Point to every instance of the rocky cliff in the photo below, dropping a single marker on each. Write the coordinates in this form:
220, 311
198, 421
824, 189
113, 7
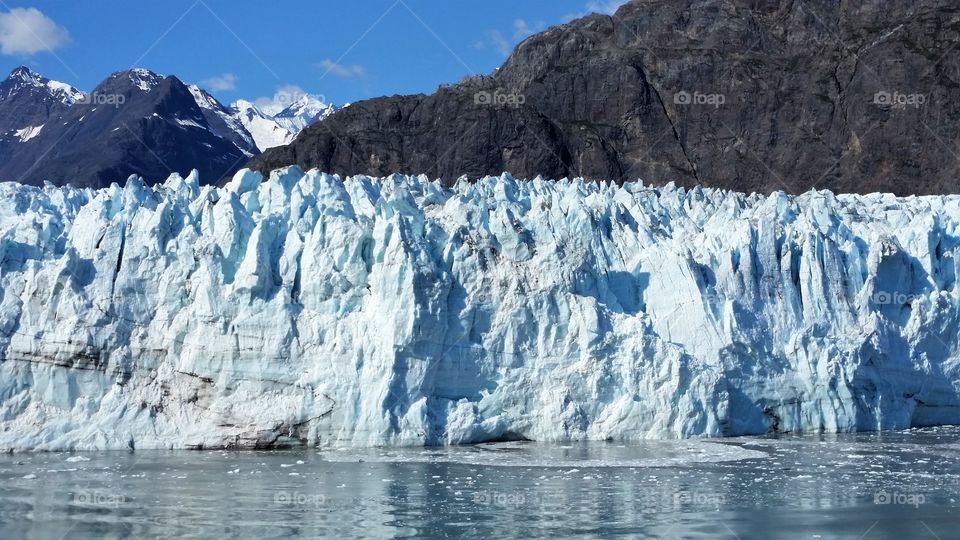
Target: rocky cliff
853, 96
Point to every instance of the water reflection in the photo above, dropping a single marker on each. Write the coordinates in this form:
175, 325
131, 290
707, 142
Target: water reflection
892, 485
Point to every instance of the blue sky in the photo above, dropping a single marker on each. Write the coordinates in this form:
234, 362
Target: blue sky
342, 50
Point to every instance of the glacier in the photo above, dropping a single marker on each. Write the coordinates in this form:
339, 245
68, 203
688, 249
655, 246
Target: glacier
307, 309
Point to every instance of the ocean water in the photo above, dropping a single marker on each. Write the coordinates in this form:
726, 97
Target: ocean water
878, 485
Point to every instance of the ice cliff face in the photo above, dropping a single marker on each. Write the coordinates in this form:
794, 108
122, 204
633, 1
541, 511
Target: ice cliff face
394, 311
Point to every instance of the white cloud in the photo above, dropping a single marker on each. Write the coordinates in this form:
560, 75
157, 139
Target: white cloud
340, 70
221, 83
28, 31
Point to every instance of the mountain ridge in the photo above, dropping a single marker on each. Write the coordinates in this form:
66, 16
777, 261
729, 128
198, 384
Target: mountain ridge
135, 121
852, 97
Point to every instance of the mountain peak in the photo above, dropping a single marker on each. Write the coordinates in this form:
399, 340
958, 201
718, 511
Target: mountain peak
141, 78
242, 105
275, 124
24, 77
307, 107
24, 73
267, 130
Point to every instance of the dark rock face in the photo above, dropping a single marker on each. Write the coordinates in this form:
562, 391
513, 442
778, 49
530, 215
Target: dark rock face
134, 122
221, 121
27, 101
753, 95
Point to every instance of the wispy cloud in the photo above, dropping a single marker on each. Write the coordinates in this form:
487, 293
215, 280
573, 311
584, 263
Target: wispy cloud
499, 41
221, 83
26, 31
605, 7
341, 70
522, 29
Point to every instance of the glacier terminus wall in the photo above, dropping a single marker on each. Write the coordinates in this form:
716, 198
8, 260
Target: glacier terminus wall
306, 309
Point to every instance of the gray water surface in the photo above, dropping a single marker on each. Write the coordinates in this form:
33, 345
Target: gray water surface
879, 485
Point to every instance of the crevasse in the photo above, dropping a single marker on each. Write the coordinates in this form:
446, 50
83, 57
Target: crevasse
394, 311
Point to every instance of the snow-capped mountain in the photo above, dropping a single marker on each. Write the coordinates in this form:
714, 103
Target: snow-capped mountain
396, 311
143, 79
270, 130
24, 77
134, 122
303, 112
265, 130
28, 100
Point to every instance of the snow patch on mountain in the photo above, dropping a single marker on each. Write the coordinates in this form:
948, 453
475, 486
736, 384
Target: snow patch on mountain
144, 79
204, 100
396, 311
65, 92
28, 133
